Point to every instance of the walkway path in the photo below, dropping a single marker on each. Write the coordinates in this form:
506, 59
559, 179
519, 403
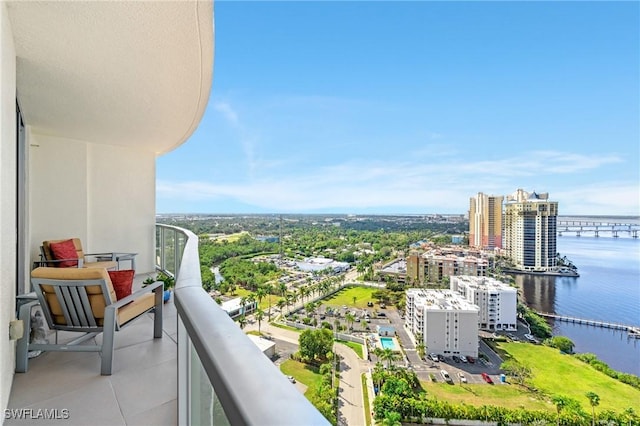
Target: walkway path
351, 398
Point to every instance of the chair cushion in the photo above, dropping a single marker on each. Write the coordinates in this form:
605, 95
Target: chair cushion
97, 299
122, 282
65, 250
136, 308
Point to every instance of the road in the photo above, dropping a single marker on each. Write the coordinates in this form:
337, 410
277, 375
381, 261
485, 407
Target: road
351, 397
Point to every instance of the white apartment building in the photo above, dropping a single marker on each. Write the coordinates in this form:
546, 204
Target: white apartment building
497, 301
447, 322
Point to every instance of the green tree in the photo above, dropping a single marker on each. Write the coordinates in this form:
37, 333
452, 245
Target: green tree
315, 344
594, 400
518, 371
560, 342
392, 418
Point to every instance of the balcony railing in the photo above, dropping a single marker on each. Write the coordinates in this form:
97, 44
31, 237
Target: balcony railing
223, 378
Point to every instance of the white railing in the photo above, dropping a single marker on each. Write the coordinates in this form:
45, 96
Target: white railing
223, 378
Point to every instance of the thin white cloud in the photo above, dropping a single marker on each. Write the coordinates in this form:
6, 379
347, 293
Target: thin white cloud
227, 111
359, 185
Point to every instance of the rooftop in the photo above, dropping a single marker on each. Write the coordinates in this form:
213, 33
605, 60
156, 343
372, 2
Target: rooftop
484, 283
440, 300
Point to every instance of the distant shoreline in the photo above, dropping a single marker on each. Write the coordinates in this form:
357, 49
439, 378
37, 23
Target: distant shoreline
565, 272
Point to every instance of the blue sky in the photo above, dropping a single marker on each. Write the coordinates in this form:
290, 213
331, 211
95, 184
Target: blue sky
413, 107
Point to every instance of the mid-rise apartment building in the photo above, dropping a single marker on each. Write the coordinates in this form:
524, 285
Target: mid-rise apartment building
485, 221
497, 301
530, 230
438, 266
446, 321
415, 269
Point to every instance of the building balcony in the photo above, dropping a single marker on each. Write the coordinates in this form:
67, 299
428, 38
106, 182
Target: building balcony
203, 371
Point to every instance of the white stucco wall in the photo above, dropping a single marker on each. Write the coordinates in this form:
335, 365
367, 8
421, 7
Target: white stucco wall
8, 203
103, 194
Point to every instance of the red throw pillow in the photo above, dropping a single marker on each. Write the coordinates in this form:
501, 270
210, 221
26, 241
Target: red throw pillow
64, 250
122, 282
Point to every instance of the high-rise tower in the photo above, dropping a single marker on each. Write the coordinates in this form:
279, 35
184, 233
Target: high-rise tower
530, 230
485, 221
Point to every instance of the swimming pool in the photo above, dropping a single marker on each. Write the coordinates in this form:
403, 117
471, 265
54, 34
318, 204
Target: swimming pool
388, 343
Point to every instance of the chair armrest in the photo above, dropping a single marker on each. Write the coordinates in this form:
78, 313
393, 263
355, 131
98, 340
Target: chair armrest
155, 287
117, 256
37, 263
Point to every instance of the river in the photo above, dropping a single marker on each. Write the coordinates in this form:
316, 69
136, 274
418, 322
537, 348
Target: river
608, 289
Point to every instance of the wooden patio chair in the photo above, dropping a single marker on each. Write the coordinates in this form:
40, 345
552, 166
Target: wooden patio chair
84, 300
109, 260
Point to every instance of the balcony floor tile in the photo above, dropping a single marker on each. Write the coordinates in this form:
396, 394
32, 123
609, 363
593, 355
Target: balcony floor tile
142, 389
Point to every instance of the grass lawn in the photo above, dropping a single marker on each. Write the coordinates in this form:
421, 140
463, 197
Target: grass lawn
365, 393
264, 303
231, 237
357, 347
510, 396
346, 295
303, 373
557, 374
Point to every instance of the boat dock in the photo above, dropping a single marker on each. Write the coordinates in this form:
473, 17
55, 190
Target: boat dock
632, 330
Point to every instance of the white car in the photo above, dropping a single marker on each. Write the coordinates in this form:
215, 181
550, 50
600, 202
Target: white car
463, 358
433, 357
446, 376
462, 377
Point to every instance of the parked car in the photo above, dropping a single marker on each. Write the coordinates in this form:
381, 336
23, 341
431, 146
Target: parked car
486, 378
462, 377
471, 359
441, 358
370, 304
446, 377
382, 306
434, 357
463, 358
456, 358
291, 379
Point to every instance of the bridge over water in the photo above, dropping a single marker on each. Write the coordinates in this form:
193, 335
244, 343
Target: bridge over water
578, 228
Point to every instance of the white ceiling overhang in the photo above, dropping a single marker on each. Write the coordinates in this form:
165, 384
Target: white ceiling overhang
131, 73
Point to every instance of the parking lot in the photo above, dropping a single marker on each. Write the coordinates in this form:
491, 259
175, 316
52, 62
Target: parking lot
365, 323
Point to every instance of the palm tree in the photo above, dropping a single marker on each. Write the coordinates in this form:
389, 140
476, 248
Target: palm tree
282, 287
350, 319
269, 289
251, 299
560, 402
281, 304
421, 348
260, 294
242, 321
389, 355
259, 317
290, 300
243, 303
594, 400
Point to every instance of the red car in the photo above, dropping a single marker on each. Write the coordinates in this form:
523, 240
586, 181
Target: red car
486, 378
